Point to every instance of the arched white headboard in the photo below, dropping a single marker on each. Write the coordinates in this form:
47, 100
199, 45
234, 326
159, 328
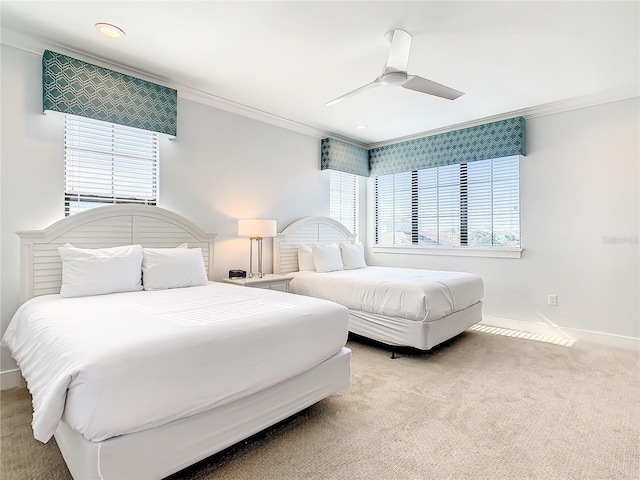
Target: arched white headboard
101, 227
305, 231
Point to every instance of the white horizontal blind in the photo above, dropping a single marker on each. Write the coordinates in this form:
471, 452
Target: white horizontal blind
344, 199
438, 191
474, 204
493, 195
393, 209
107, 163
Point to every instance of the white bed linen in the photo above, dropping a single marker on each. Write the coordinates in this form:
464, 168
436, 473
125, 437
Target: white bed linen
414, 294
115, 364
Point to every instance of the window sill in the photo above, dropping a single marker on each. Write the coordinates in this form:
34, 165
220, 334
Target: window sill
495, 252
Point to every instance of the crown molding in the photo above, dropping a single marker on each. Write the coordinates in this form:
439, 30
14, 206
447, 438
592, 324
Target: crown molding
575, 103
246, 111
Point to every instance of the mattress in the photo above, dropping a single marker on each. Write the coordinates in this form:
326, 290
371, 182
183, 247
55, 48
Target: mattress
407, 293
114, 364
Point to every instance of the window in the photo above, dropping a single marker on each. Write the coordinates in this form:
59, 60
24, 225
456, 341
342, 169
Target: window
107, 163
343, 199
475, 204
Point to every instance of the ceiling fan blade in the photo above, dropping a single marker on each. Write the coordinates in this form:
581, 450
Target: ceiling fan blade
355, 92
419, 84
399, 52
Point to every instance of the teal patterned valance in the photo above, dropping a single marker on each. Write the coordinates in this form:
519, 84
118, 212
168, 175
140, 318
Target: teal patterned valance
342, 156
492, 140
73, 86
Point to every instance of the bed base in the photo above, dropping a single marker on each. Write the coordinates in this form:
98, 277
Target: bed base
399, 332
161, 451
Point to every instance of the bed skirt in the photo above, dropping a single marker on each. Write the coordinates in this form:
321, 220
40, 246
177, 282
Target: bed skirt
400, 332
161, 451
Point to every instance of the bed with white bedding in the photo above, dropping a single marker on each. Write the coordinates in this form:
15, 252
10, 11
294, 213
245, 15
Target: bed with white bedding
143, 383
397, 306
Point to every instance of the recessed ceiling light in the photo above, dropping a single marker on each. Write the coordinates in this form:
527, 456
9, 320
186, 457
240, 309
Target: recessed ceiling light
361, 127
109, 30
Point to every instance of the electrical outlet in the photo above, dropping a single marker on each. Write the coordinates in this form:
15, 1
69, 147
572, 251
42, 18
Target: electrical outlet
553, 300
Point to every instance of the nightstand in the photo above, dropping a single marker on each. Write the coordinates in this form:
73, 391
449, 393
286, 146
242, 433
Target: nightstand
269, 281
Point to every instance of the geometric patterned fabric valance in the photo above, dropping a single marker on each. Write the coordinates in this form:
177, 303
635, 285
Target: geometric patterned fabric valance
492, 140
342, 156
80, 88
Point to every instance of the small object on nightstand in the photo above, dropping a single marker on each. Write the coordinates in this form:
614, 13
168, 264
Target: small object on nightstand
237, 274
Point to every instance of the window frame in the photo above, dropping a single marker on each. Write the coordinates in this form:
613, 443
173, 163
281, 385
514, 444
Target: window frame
456, 250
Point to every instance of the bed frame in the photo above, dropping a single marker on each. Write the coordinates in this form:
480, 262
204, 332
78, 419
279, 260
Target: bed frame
161, 451
393, 331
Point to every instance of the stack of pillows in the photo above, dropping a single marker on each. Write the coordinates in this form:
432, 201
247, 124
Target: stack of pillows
323, 258
128, 269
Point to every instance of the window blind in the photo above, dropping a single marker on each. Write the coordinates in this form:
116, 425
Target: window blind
107, 163
344, 199
493, 196
439, 206
473, 204
393, 209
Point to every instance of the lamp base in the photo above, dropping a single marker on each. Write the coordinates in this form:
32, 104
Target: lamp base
259, 273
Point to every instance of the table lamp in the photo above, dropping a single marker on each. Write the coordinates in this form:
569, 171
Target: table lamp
256, 229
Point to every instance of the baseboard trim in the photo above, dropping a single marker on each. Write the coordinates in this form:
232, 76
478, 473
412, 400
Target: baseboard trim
587, 336
11, 379
606, 339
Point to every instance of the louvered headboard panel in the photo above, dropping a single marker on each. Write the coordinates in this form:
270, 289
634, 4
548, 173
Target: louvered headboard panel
305, 231
111, 226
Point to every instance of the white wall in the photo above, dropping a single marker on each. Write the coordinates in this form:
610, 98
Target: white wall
579, 189
221, 167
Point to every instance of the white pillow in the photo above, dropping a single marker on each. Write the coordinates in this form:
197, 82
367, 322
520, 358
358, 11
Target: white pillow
99, 271
164, 268
326, 258
352, 256
305, 259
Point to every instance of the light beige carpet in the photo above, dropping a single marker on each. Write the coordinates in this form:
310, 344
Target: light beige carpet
480, 407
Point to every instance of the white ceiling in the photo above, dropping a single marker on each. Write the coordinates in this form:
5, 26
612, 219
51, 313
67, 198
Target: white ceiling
282, 61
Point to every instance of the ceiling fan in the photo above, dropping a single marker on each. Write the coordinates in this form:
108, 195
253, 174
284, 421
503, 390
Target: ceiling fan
395, 72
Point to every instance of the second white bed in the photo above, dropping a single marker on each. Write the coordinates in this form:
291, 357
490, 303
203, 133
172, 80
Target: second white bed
401, 307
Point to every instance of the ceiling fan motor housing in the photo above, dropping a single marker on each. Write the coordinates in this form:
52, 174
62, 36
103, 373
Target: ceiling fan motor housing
393, 78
